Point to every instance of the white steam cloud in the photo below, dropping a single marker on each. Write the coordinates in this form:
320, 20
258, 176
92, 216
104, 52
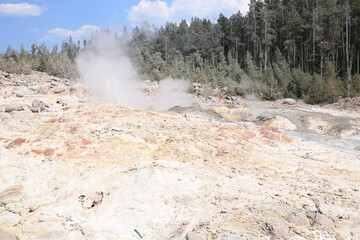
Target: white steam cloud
172, 93
106, 69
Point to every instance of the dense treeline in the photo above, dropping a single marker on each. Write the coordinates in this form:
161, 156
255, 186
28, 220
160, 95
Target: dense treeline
291, 48
306, 49
39, 58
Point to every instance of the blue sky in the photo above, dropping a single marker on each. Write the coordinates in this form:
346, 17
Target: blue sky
51, 21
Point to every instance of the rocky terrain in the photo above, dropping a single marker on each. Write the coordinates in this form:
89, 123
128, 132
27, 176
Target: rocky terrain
75, 167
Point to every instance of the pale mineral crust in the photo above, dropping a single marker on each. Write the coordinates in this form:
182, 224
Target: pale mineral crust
80, 168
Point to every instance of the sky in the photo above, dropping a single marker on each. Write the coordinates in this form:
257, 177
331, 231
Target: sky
52, 21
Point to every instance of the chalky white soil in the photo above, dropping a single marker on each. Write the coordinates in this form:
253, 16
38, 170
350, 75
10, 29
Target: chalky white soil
73, 167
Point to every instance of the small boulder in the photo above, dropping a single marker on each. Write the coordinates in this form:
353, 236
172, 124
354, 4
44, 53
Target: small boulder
289, 101
18, 93
14, 107
90, 202
324, 221
59, 90
39, 105
77, 88
43, 89
277, 228
36, 89
299, 220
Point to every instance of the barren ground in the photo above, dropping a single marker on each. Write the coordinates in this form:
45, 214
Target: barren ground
75, 167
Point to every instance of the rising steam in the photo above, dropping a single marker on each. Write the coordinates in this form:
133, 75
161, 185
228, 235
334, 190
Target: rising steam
106, 69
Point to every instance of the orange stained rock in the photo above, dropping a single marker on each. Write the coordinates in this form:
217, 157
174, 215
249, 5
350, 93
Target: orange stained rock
17, 142
49, 152
86, 142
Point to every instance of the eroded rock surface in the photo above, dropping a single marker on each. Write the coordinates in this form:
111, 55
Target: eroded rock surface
85, 169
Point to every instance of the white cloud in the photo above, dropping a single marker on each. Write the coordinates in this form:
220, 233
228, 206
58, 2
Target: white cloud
20, 9
83, 32
158, 12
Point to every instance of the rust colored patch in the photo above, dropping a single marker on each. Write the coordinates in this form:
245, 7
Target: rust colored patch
49, 152
59, 155
249, 135
149, 140
86, 142
268, 135
286, 138
167, 141
53, 120
16, 143
37, 140
73, 129
37, 151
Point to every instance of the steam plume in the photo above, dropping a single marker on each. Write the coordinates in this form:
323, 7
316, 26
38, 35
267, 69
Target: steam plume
105, 68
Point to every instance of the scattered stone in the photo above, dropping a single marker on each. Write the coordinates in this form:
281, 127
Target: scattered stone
277, 228
44, 89
97, 198
62, 102
39, 105
18, 93
195, 235
59, 90
322, 220
299, 220
89, 202
56, 79
36, 89
4, 235
14, 107
77, 88
289, 101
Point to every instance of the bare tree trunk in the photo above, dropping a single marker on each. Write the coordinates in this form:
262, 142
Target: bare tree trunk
213, 59
237, 51
294, 53
348, 60
260, 65
302, 57
255, 33
321, 62
358, 62
314, 36
266, 44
